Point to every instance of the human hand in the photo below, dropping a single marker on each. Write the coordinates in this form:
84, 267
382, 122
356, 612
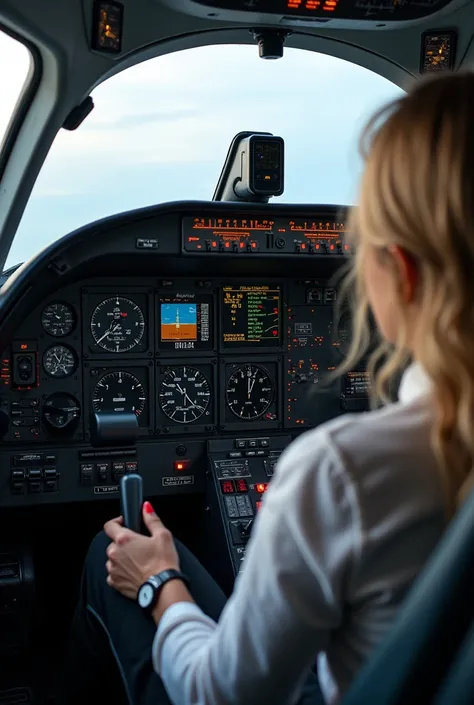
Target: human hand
133, 558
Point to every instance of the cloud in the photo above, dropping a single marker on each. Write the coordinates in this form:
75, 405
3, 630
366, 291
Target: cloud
161, 130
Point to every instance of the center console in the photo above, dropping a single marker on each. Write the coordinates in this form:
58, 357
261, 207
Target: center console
241, 470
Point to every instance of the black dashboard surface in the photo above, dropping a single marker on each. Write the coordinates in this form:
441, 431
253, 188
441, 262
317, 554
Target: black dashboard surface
206, 321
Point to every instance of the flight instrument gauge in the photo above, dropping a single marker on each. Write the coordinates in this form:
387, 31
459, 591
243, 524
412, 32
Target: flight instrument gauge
343, 334
184, 394
117, 325
58, 319
117, 392
61, 412
59, 361
249, 392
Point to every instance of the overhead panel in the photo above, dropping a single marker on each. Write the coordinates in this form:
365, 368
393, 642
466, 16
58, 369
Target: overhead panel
385, 11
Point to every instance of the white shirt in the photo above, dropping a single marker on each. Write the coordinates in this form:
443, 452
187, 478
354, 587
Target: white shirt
354, 510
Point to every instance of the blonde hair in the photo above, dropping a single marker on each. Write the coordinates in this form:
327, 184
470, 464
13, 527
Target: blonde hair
418, 193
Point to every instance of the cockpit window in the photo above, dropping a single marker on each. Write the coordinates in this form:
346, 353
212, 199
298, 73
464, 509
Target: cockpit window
161, 130
17, 58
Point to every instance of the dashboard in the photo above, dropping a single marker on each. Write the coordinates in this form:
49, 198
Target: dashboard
216, 331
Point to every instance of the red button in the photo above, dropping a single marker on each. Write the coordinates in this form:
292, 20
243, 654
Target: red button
180, 465
241, 486
261, 487
258, 505
227, 486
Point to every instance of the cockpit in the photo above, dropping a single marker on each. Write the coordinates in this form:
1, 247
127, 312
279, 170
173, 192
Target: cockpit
188, 340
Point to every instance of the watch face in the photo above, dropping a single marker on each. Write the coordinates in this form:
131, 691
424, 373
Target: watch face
145, 595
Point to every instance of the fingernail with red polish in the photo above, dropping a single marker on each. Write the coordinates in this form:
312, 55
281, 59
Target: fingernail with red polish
148, 508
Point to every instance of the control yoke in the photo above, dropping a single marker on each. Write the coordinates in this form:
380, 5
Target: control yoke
131, 502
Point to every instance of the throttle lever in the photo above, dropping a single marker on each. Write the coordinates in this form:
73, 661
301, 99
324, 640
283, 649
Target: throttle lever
131, 502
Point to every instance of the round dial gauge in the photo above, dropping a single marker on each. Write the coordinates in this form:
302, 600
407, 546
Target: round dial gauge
58, 319
119, 392
61, 412
184, 394
343, 334
117, 325
59, 361
249, 392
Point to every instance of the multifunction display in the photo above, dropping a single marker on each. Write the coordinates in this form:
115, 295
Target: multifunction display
185, 321
251, 316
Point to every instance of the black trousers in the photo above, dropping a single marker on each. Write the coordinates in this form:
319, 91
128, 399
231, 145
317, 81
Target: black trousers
108, 659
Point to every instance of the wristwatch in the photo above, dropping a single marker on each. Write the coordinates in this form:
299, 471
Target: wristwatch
148, 593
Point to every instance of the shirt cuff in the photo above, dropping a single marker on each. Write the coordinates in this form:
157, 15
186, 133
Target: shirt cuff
178, 614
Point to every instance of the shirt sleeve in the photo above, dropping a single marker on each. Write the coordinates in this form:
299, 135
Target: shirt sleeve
285, 602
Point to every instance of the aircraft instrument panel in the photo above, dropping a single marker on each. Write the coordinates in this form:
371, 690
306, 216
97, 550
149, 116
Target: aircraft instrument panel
234, 354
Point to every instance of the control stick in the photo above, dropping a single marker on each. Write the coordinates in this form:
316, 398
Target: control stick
131, 502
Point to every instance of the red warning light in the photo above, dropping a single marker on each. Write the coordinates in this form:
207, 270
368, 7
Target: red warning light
227, 487
180, 465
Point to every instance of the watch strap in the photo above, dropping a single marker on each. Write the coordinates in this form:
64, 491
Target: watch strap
165, 576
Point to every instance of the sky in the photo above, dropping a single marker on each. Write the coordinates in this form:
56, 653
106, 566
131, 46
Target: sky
160, 131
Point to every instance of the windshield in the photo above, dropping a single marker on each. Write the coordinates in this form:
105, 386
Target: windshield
17, 58
160, 131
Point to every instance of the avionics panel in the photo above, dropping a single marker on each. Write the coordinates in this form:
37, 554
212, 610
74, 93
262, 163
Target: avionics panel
251, 317
375, 10
248, 235
185, 321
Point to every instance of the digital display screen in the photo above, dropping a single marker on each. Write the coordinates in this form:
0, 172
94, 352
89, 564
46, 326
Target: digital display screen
185, 322
251, 314
356, 385
178, 321
267, 155
438, 52
107, 32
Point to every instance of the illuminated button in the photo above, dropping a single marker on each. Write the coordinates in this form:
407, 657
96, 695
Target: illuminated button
227, 486
261, 487
258, 505
241, 486
180, 465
